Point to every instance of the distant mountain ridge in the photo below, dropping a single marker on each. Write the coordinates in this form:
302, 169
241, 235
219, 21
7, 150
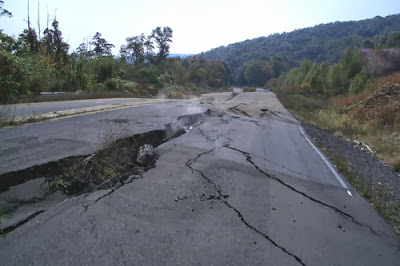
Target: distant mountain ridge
321, 43
180, 55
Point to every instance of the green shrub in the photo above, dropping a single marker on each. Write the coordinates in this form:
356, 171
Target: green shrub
11, 76
249, 89
98, 87
150, 75
358, 83
128, 86
113, 84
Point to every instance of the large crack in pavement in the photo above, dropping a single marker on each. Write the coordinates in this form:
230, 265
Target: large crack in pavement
139, 149
280, 181
266, 111
20, 223
127, 181
232, 96
202, 133
223, 199
236, 110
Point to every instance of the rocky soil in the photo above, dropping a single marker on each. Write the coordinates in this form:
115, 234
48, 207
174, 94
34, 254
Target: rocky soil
383, 105
377, 182
360, 164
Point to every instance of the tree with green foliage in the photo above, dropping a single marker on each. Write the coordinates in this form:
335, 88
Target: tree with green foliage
54, 45
347, 76
255, 73
32, 64
322, 43
390, 41
47, 42
149, 49
11, 76
101, 46
312, 78
59, 46
27, 42
323, 75
135, 48
3, 11
7, 43
352, 63
139, 49
83, 52
11, 66
368, 45
102, 68
162, 38
359, 82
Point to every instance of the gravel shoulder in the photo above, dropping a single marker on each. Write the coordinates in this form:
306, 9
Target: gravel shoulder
377, 182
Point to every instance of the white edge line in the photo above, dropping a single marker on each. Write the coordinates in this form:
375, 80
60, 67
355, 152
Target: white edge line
333, 170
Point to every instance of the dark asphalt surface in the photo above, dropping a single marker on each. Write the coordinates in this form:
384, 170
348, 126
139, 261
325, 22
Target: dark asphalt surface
233, 191
46, 107
28, 145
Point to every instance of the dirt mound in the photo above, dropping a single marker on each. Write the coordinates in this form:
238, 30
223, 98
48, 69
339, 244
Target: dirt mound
388, 94
383, 106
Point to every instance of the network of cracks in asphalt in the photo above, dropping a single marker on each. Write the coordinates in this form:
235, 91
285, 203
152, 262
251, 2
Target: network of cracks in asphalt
135, 155
116, 164
223, 197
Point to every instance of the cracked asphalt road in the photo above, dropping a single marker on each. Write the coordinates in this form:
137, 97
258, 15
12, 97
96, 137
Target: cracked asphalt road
32, 144
235, 190
26, 109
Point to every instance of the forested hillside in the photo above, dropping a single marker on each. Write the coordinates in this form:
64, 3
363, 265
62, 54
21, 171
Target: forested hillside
253, 62
349, 88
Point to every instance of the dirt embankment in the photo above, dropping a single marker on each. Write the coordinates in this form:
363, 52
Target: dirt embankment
384, 105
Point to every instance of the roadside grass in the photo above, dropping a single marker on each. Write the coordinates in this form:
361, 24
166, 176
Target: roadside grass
171, 92
378, 194
384, 141
80, 96
113, 162
111, 159
300, 105
186, 92
11, 122
6, 120
381, 132
348, 100
341, 116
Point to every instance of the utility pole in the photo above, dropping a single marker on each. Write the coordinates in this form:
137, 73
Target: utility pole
29, 18
38, 19
47, 25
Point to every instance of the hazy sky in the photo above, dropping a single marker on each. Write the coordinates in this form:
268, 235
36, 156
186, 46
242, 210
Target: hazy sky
198, 25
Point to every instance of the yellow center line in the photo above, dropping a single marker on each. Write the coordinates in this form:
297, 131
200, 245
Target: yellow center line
61, 116
107, 109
